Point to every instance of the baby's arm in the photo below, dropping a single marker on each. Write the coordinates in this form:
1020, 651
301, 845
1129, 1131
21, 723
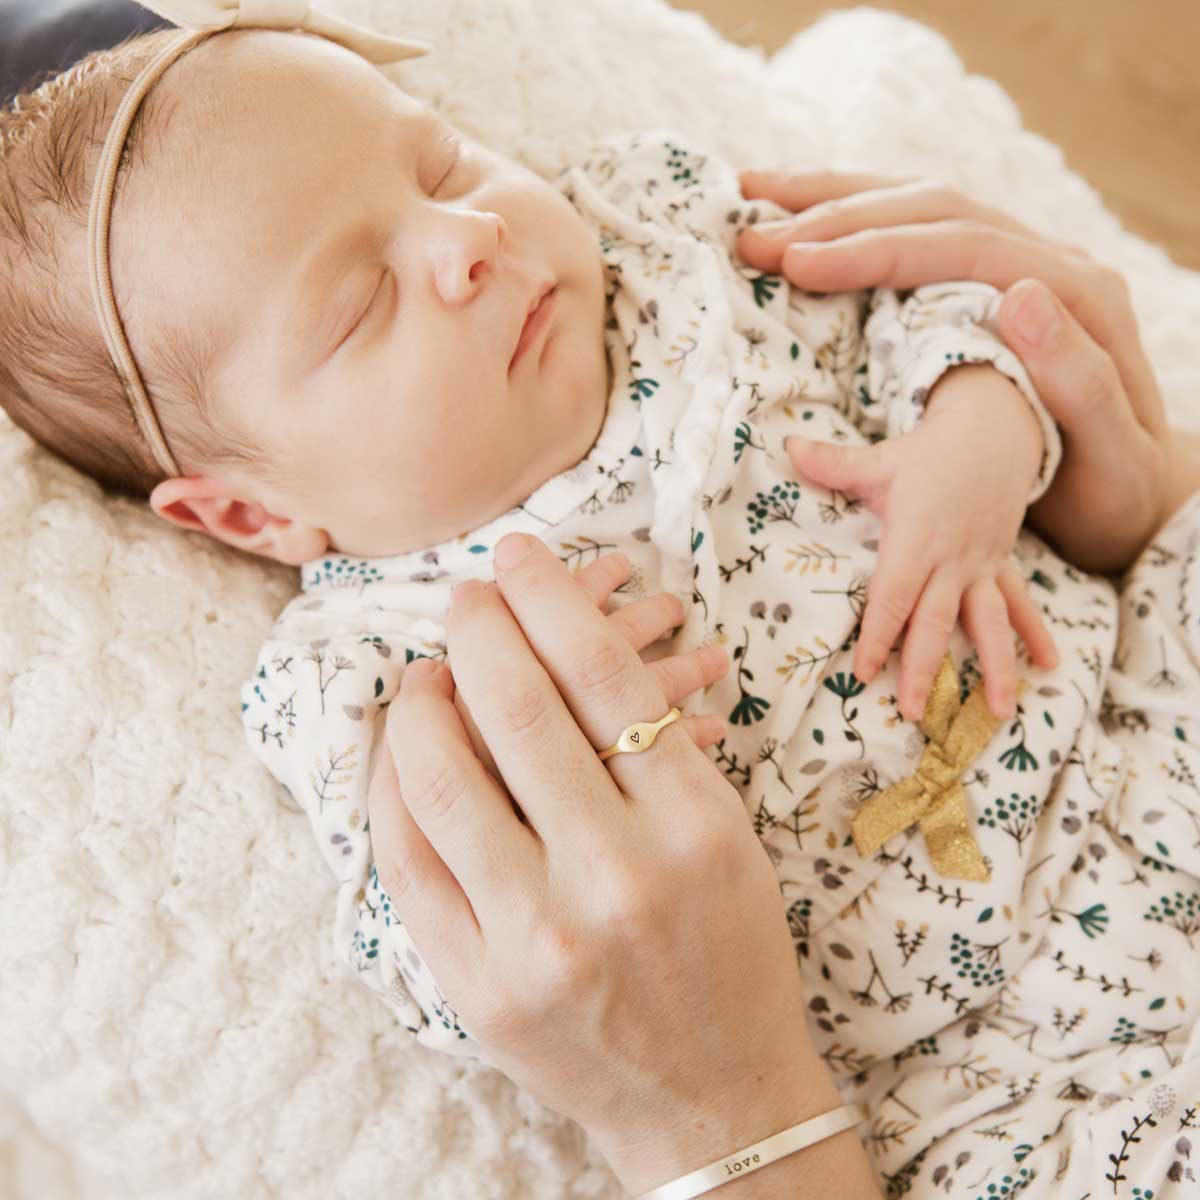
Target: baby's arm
313, 712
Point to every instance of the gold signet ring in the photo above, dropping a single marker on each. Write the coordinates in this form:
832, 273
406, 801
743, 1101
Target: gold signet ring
639, 736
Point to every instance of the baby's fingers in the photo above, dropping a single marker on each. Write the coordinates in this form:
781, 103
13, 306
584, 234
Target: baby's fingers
985, 618
927, 640
648, 619
892, 594
682, 674
1026, 619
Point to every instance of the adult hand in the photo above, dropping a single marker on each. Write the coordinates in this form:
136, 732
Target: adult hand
641, 623
623, 954
1069, 319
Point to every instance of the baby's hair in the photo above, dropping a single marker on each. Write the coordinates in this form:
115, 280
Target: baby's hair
57, 382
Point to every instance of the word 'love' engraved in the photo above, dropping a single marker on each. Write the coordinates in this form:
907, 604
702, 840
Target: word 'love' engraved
734, 1167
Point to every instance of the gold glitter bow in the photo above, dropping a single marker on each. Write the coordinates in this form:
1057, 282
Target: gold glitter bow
934, 794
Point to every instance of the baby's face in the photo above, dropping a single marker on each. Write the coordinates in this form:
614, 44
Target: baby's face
372, 268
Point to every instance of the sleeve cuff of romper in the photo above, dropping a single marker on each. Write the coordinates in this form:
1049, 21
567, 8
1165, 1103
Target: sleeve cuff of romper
938, 349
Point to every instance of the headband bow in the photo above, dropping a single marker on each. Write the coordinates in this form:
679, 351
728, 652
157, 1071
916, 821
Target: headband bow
213, 16
199, 19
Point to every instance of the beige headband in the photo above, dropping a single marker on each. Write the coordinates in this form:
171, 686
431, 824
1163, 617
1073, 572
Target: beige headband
200, 19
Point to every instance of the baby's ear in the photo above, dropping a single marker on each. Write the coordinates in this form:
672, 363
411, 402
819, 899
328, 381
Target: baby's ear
206, 505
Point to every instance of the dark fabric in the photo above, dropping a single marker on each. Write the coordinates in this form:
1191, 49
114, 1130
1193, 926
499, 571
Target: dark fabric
39, 38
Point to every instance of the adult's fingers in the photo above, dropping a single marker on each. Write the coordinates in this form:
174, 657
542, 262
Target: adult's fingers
442, 831
906, 256
911, 202
572, 696
799, 189
678, 676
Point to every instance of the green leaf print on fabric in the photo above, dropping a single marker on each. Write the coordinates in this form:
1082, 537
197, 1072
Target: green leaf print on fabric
765, 287
642, 389
363, 952
681, 163
1179, 911
1009, 1186
742, 437
1092, 920
847, 685
340, 572
1016, 816
778, 505
1019, 757
900, 1184
984, 969
749, 708
385, 899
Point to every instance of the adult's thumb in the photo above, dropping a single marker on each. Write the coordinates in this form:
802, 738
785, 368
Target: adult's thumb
1076, 379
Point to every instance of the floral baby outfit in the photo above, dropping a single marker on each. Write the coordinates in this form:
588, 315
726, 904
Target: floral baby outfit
1035, 1032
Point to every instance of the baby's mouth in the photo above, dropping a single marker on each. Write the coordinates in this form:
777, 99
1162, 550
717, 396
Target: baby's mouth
535, 323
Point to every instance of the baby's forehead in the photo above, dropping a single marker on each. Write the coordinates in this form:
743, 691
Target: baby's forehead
258, 83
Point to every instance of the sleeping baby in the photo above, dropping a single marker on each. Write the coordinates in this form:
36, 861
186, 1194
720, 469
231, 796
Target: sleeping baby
376, 346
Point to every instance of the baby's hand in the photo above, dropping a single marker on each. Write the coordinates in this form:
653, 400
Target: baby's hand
952, 495
642, 623
645, 622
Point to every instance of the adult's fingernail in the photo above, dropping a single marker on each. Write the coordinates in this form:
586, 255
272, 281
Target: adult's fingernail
1037, 318
511, 549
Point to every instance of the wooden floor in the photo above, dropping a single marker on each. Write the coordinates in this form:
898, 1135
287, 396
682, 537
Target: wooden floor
1115, 83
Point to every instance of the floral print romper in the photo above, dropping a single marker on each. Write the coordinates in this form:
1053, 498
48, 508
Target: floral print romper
1035, 1033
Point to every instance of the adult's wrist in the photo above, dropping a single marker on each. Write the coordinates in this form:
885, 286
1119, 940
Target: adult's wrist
694, 1132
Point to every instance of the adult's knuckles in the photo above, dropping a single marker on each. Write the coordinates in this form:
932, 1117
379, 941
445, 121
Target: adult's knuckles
1112, 284
435, 788
603, 674
709, 845
524, 711
565, 959
939, 194
1095, 382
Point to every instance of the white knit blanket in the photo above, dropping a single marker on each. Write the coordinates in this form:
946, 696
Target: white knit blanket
171, 1025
